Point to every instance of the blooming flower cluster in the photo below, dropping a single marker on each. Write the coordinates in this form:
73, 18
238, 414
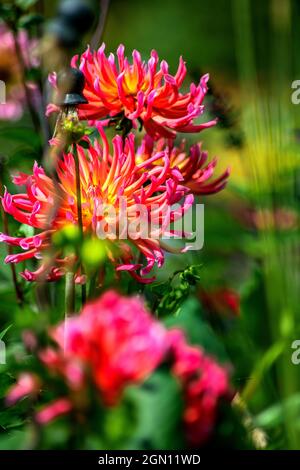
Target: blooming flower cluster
115, 342
106, 180
154, 174
155, 177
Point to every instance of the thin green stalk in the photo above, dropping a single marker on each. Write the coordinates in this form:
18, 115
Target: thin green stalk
93, 285
69, 293
69, 301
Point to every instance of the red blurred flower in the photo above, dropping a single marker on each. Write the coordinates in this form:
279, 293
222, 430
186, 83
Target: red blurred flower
140, 90
204, 384
222, 301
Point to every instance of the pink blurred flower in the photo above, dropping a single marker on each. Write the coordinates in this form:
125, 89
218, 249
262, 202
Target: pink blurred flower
204, 383
115, 343
121, 344
141, 90
57, 408
117, 339
11, 74
27, 384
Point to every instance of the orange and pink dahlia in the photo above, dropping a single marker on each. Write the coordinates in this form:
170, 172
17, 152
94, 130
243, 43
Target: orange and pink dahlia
108, 179
140, 91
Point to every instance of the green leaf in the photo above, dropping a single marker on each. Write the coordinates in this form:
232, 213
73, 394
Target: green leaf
25, 4
277, 413
6, 12
32, 19
33, 75
14, 440
159, 413
3, 332
84, 144
26, 231
197, 329
170, 299
25, 135
192, 274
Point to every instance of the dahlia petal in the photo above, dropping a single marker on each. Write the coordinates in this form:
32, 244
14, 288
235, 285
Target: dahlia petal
19, 257
57, 408
52, 78
27, 384
128, 267
52, 108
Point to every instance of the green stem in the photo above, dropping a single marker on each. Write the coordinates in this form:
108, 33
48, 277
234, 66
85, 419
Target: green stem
69, 293
78, 189
69, 301
79, 213
93, 285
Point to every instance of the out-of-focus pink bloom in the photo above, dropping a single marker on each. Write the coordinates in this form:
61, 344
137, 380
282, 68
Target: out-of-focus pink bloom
27, 384
29, 340
281, 219
107, 180
196, 172
117, 339
204, 384
141, 90
57, 408
115, 343
121, 344
58, 363
10, 72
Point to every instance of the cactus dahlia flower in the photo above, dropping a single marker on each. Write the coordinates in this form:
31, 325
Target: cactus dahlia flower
195, 171
143, 91
107, 181
114, 343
